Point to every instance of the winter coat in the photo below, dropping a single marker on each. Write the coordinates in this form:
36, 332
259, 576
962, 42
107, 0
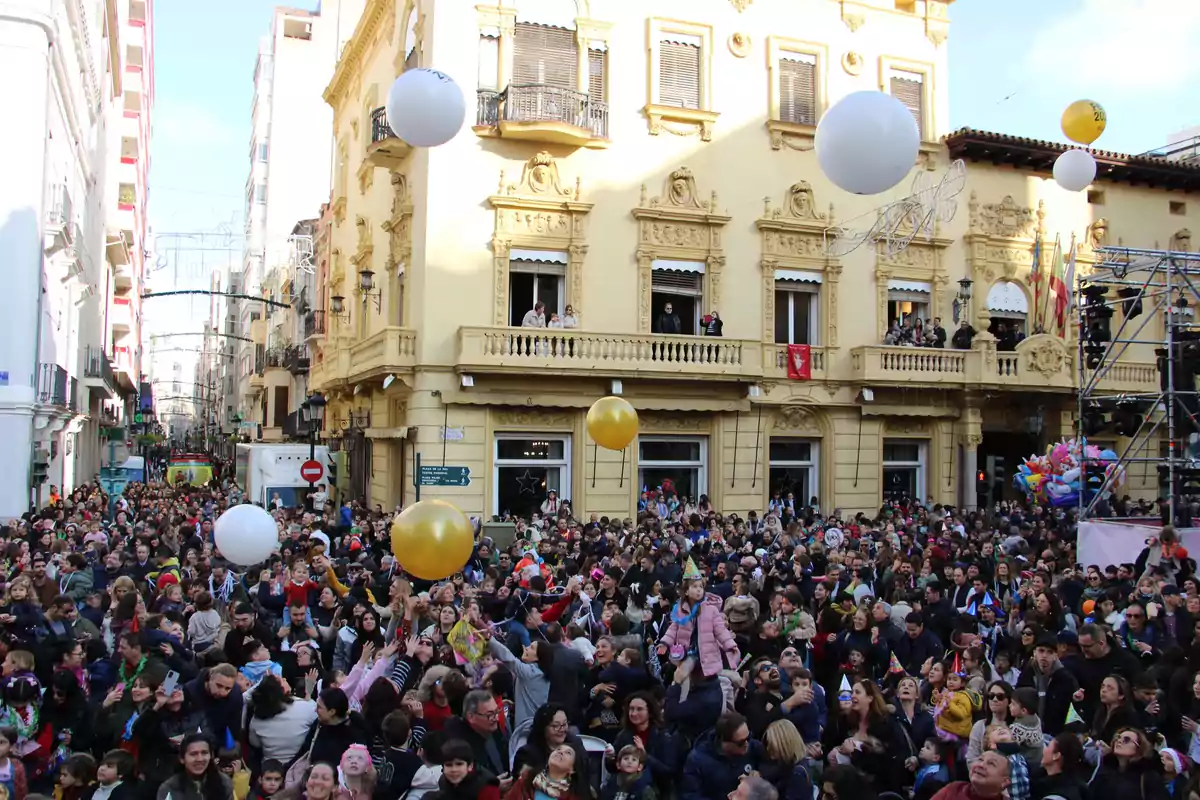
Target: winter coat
793, 781
177, 787
710, 774
1054, 695
478, 785
714, 639
222, 715
1141, 780
661, 758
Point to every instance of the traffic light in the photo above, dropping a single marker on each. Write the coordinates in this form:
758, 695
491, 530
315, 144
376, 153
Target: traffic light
40, 471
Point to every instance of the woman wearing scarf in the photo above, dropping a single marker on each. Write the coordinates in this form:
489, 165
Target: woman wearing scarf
559, 780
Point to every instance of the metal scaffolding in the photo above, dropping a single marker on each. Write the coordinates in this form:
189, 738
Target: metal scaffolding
1150, 285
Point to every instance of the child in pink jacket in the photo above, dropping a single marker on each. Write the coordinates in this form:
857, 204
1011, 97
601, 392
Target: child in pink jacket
698, 633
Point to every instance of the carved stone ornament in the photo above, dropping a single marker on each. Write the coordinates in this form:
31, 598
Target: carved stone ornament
661, 421
798, 203
540, 178
536, 419
908, 426
399, 225
741, 5
796, 418
853, 63
679, 191
365, 246
1005, 219
1181, 242
739, 44
1098, 234
1046, 358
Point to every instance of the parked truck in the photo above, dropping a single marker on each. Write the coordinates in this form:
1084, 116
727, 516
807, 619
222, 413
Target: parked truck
265, 470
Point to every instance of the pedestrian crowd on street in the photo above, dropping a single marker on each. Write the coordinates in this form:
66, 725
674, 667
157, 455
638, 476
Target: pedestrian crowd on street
686, 653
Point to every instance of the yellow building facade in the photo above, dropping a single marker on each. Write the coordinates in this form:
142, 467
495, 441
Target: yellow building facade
626, 156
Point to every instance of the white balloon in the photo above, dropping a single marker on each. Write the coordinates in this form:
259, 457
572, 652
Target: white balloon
425, 107
246, 535
1075, 170
867, 142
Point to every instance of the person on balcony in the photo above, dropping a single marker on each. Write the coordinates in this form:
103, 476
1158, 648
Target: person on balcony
570, 319
535, 317
713, 325
939, 333
963, 336
668, 321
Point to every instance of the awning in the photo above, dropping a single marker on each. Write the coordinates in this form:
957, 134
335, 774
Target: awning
538, 256
895, 285
801, 275
681, 38
1007, 298
672, 265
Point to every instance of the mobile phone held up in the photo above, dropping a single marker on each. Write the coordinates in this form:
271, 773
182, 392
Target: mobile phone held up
171, 683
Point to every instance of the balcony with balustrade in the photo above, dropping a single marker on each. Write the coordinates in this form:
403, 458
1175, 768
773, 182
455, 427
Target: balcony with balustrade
314, 325
125, 369
386, 352
98, 372
385, 149
54, 386
575, 353
541, 113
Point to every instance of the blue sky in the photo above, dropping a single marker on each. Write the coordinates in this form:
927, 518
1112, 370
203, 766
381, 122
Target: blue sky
1014, 64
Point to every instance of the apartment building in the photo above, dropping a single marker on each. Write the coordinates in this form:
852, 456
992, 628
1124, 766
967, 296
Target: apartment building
72, 207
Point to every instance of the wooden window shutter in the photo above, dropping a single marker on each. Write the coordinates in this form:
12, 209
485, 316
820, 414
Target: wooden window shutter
545, 56
797, 92
679, 74
597, 67
909, 92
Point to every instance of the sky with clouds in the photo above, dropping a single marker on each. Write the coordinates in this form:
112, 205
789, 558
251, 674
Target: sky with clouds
1014, 65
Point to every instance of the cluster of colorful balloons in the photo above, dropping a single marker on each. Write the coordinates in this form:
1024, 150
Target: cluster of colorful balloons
1082, 122
1059, 477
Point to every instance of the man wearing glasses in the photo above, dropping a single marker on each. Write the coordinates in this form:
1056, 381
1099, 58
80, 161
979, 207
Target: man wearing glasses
479, 726
721, 759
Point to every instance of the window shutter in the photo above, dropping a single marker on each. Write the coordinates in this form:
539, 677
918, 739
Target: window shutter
687, 282
597, 67
909, 93
679, 74
489, 61
545, 56
797, 92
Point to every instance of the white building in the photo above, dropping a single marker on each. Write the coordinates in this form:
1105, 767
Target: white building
80, 87
291, 158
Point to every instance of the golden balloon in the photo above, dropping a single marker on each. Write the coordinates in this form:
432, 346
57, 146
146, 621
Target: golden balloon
612, 422
432, 539
1084, 121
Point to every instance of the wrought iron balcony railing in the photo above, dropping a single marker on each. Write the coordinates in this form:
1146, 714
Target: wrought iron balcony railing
314, 324
53, 385
542, 103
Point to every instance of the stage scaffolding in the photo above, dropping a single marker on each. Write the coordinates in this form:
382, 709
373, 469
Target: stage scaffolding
1166, 284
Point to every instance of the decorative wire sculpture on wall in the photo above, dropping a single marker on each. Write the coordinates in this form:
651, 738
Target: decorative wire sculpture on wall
898, 223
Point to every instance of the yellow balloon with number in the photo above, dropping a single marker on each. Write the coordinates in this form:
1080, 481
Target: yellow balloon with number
612, 422
432, 539
1084, 121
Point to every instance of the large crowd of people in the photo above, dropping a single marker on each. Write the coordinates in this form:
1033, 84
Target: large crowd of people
685, 653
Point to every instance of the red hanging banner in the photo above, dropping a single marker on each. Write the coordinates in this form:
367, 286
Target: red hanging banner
799, 362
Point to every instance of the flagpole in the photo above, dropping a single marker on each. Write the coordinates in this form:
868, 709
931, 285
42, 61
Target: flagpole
1036, 274
1068, 279
1050, 277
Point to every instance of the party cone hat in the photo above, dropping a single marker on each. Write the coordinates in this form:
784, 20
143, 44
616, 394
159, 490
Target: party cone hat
973, 609
690, 573
844, 689
894, 666
988, 600
1073, 715
957, 667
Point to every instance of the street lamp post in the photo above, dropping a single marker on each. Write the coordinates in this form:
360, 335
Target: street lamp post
312, 414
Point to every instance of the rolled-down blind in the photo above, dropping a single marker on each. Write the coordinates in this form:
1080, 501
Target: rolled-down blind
597, 62
689, 282
797, 91
909, 93
679, 74
545, 56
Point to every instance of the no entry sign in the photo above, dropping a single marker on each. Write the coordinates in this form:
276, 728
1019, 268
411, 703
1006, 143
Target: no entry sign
312, 471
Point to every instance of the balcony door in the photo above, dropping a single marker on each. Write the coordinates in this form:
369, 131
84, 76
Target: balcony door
536, 277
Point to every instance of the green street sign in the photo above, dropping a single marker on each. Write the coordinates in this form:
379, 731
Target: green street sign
137, 418
445, 476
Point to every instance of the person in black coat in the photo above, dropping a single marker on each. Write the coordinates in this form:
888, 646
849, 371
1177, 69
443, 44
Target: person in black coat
1054, 683
918, 644
216, 691
337, 728
479, 727
1102, 657
569, 676
939, 612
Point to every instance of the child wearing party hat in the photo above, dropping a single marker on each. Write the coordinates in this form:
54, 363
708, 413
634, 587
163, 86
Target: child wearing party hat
953, 715
698, 635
